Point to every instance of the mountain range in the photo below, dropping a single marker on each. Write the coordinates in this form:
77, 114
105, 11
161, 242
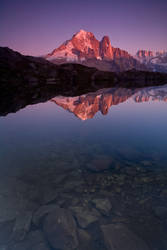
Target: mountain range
85, 49
22, 73
26, 79
155, 61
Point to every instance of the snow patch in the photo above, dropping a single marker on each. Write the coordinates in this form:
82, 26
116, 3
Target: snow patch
64, 54
84, 38
82, 59
82, 34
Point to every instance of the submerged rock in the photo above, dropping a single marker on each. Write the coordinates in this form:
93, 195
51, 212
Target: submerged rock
14, 198
85, 240
35, 240
103, 205
43, 211
22, 226
49, 195
85, 216
60, 229
119, 237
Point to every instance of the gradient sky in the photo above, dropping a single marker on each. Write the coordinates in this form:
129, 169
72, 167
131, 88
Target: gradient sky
36, 27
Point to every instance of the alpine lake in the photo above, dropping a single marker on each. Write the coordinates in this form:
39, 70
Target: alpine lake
85, 172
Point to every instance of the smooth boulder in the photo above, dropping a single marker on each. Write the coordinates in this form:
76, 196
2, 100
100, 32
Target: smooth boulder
60, 229
119, 237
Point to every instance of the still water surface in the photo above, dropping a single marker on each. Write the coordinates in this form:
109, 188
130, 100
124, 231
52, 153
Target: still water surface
69, 151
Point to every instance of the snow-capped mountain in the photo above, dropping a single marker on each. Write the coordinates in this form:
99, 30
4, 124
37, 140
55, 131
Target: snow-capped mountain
156, 61
85, 49
84, 45
144, 55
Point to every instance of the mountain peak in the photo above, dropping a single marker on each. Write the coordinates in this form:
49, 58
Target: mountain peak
81, 31
83, 34
144, 53
106, 48
85, 49
106, 39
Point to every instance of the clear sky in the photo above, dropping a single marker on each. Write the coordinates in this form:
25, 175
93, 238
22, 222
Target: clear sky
36, 27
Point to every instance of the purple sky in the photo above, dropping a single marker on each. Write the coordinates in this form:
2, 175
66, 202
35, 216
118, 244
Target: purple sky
36, 27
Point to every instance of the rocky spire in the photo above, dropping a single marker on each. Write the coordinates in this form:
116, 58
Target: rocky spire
106, 50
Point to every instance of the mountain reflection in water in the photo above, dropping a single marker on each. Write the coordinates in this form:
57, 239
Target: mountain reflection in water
99, 184
86, 106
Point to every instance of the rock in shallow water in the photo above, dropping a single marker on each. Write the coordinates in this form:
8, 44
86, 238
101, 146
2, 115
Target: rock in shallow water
13, 199
42, 212
85, 216
84, 240
33, 241
60, 229
22, 226
119, 237
103, 205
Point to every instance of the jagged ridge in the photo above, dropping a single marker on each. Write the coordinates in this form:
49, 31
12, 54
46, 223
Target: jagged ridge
85, 49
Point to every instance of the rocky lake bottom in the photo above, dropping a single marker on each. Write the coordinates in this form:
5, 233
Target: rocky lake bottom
97, 182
